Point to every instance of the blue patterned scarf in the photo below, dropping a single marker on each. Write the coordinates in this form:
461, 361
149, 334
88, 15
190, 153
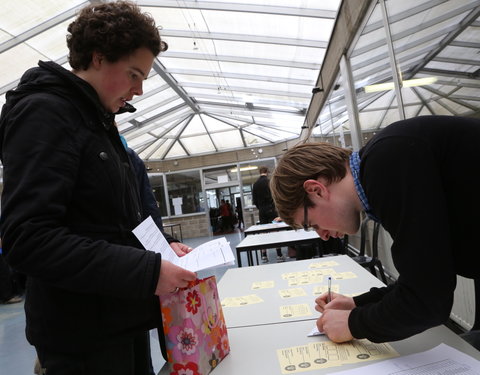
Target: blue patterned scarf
355, 168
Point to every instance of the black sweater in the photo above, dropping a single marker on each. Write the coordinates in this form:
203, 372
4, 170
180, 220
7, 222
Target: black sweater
421, 179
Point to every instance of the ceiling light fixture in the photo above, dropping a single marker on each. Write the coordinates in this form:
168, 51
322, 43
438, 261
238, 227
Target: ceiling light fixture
407, 83
242, 169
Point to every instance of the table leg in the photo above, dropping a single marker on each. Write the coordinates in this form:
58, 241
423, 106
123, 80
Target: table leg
181, 234
250, 258
239, 258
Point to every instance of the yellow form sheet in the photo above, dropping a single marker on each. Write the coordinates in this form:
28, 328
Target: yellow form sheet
344, 275
320, 289
330, 263
295, 311
263, 284
307, 277
292, 292
325, 354
310, 273
241, 301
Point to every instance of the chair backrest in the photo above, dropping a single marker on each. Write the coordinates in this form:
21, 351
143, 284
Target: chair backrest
476, 323
364, 234
376, 232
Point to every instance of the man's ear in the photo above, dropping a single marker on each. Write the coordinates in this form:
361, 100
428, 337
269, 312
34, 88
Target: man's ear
316, 189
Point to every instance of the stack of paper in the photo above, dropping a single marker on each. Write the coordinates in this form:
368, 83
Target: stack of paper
208, 255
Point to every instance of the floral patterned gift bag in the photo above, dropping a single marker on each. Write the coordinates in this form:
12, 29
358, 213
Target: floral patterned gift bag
194, 328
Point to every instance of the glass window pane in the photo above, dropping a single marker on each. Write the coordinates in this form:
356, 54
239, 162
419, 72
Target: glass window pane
156, 181
185, 193
220, 175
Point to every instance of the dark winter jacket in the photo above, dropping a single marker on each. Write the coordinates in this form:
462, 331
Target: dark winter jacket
69, 204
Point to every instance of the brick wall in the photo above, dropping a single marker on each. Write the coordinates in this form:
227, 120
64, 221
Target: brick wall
192, 226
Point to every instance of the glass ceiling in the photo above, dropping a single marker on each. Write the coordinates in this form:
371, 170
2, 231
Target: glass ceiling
240, 74
236, 74
433, 39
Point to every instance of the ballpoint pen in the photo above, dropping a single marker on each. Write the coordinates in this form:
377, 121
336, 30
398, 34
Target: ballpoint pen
329, 297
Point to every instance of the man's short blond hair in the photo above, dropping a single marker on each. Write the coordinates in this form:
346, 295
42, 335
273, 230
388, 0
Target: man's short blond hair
304, 162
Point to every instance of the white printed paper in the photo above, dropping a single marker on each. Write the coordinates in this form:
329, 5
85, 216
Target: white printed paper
208, 255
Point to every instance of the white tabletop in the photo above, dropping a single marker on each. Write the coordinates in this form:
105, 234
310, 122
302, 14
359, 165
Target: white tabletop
254, 349
257, 331
238, 282
267, 227
274, 239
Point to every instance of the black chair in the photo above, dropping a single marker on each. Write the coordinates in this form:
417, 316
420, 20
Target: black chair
372, 261
473, 336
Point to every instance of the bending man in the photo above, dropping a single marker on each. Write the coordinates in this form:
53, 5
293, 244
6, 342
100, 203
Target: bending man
418, 178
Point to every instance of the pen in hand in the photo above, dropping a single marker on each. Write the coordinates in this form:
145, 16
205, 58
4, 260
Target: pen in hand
329, 296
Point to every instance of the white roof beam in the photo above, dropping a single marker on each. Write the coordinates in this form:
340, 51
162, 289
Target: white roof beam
161, 71
249, 90
244, 60
237, 7
251, 77
244, 38
411, 31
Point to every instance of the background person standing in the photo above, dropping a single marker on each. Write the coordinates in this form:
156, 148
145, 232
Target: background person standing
262, 199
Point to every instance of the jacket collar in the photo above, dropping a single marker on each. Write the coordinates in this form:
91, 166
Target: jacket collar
86, 91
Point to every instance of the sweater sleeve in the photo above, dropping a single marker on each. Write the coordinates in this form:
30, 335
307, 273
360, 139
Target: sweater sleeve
403, 185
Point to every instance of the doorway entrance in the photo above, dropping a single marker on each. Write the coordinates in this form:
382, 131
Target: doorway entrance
222, 203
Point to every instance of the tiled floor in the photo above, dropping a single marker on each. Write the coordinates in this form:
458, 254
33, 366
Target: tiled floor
17, 356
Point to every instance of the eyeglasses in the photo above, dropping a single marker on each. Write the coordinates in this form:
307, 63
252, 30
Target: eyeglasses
306, 226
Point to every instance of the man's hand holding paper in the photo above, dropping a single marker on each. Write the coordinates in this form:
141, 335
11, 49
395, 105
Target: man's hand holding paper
172, 277
180, 248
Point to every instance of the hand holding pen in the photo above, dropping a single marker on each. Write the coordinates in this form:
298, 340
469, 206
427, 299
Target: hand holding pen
332, 300
335, 309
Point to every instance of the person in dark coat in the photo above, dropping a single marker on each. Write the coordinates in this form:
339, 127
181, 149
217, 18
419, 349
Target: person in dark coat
149, 203
262, 199
226, 216
239, 212
70, 200
418, 178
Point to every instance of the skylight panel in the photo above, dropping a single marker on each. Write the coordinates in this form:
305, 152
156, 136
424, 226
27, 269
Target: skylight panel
227, 140
20, 16
198, 145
